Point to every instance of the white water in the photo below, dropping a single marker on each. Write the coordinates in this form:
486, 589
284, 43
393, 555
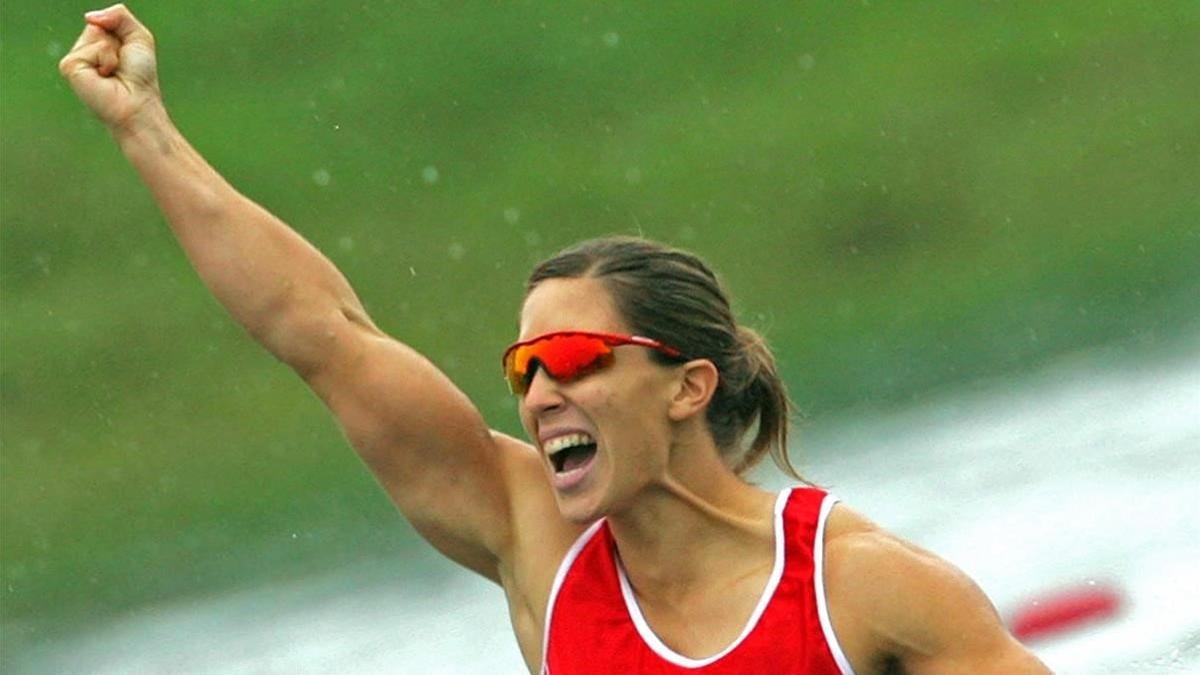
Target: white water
1078, 474
1072, 476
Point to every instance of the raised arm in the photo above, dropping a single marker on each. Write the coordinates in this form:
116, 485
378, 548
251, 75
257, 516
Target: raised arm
425, 442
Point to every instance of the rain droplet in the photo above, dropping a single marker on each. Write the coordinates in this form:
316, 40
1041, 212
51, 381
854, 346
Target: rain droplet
430, 175
412, 271
54, 49
633, 175
321, 177
807, 61
532, 238
346, 243
457, 251
512, 216
611, 39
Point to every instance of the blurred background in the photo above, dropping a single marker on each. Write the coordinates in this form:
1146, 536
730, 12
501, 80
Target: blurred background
976, 217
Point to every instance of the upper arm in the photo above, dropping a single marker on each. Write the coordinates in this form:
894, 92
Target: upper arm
425, 442
909, 605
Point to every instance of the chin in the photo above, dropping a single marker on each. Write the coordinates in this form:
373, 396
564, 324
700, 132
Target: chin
582, 506
578, 509
583, 501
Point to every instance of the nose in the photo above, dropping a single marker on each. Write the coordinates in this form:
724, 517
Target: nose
543, 394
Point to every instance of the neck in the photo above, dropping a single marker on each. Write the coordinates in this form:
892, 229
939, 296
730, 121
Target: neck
696, 526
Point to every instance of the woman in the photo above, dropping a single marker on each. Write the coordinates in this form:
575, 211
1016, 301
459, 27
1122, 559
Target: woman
622, 534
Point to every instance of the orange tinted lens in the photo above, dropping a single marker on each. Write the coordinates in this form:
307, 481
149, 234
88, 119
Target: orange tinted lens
516, 366
564, 357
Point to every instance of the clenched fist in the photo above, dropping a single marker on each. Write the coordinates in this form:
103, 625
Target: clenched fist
112, 68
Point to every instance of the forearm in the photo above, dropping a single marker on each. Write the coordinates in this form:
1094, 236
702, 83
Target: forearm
272, 281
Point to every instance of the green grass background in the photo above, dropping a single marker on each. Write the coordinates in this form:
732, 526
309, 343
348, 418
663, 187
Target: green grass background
901, 195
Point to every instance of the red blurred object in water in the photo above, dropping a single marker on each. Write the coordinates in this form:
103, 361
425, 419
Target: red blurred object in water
1065, 610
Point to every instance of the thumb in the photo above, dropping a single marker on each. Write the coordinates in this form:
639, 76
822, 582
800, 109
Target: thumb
94, 53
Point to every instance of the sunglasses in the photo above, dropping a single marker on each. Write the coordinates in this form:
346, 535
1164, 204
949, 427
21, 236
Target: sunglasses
567, 355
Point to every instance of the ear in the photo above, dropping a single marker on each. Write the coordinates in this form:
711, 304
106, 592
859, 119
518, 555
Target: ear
697, 384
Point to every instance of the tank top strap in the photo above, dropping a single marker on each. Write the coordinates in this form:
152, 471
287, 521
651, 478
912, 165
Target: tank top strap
805, 516
802, 517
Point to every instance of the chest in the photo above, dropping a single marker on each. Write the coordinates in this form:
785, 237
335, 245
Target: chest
702, 624
597, 623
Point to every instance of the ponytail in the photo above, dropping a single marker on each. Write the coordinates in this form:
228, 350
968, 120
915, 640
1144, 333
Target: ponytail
763, 402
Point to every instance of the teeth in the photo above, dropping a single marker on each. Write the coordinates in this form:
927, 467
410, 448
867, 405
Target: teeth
567, 441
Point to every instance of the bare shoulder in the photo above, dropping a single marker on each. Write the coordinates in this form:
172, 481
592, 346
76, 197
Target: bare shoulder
857, 548
893, 601
540, 541
540, 535
536, 520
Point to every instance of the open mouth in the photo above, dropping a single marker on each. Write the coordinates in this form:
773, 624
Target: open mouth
571, 452
573, 458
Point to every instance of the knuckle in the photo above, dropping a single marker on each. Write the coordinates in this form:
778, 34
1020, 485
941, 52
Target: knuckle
66, 63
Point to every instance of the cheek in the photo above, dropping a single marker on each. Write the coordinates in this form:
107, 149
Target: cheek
526, 419
637, 422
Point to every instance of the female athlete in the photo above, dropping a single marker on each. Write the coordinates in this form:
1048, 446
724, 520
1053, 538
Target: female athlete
621, 532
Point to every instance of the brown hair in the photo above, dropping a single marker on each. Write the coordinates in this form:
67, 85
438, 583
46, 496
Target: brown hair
672, 296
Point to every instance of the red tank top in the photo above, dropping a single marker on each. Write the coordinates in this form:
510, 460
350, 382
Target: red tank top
594, 625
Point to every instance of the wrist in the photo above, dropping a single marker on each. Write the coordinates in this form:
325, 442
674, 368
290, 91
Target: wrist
150, 124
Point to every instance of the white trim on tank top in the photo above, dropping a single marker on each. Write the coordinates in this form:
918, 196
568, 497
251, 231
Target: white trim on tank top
564, 567
776, 574
670, 655
835, 647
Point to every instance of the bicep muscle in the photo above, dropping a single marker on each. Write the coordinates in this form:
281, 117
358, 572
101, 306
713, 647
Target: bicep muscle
423, 439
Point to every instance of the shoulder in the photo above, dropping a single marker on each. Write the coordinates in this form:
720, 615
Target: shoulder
856, 549
890, 582
541, 536
891, 599
540, 531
